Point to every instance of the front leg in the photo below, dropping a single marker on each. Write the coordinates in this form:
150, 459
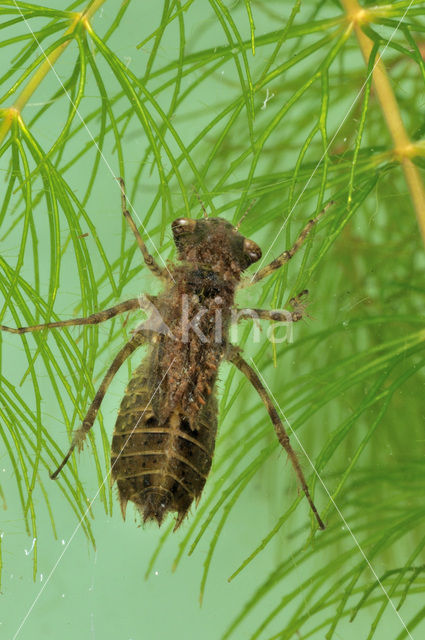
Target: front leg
149, 260
234, 356
286, 255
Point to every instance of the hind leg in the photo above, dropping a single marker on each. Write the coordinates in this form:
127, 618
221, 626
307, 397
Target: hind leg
234, 357
79, 436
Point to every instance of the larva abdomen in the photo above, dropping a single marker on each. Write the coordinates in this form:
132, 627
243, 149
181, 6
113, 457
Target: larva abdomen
160, 464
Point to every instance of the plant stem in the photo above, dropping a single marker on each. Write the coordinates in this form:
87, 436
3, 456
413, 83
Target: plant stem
91, 8
404, 149
9, 114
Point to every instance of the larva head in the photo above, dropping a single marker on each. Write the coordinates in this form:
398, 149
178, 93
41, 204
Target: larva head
214, 242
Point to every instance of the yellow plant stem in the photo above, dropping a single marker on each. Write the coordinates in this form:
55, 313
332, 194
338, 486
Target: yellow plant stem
9, 114
404, 149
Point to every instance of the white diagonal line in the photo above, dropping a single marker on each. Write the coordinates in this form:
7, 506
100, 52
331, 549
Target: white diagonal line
332, 500
332, 140
55, 566
83, 122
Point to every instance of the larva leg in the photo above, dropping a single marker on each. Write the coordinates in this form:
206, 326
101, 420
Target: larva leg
149, 260
286, 255
79, 436
298, 304
234, 357
95, 318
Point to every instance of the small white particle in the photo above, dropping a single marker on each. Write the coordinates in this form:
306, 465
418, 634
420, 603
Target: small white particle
268, 97
32, 547
63, 541
157, 573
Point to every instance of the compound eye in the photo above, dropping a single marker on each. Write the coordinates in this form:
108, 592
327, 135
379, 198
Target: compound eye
183, 225
252, 250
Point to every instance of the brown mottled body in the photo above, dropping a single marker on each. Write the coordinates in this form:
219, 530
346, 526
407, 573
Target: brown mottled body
164, 436
160, 464
164, 442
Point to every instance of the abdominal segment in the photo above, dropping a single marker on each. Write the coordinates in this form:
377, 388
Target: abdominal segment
160, 464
